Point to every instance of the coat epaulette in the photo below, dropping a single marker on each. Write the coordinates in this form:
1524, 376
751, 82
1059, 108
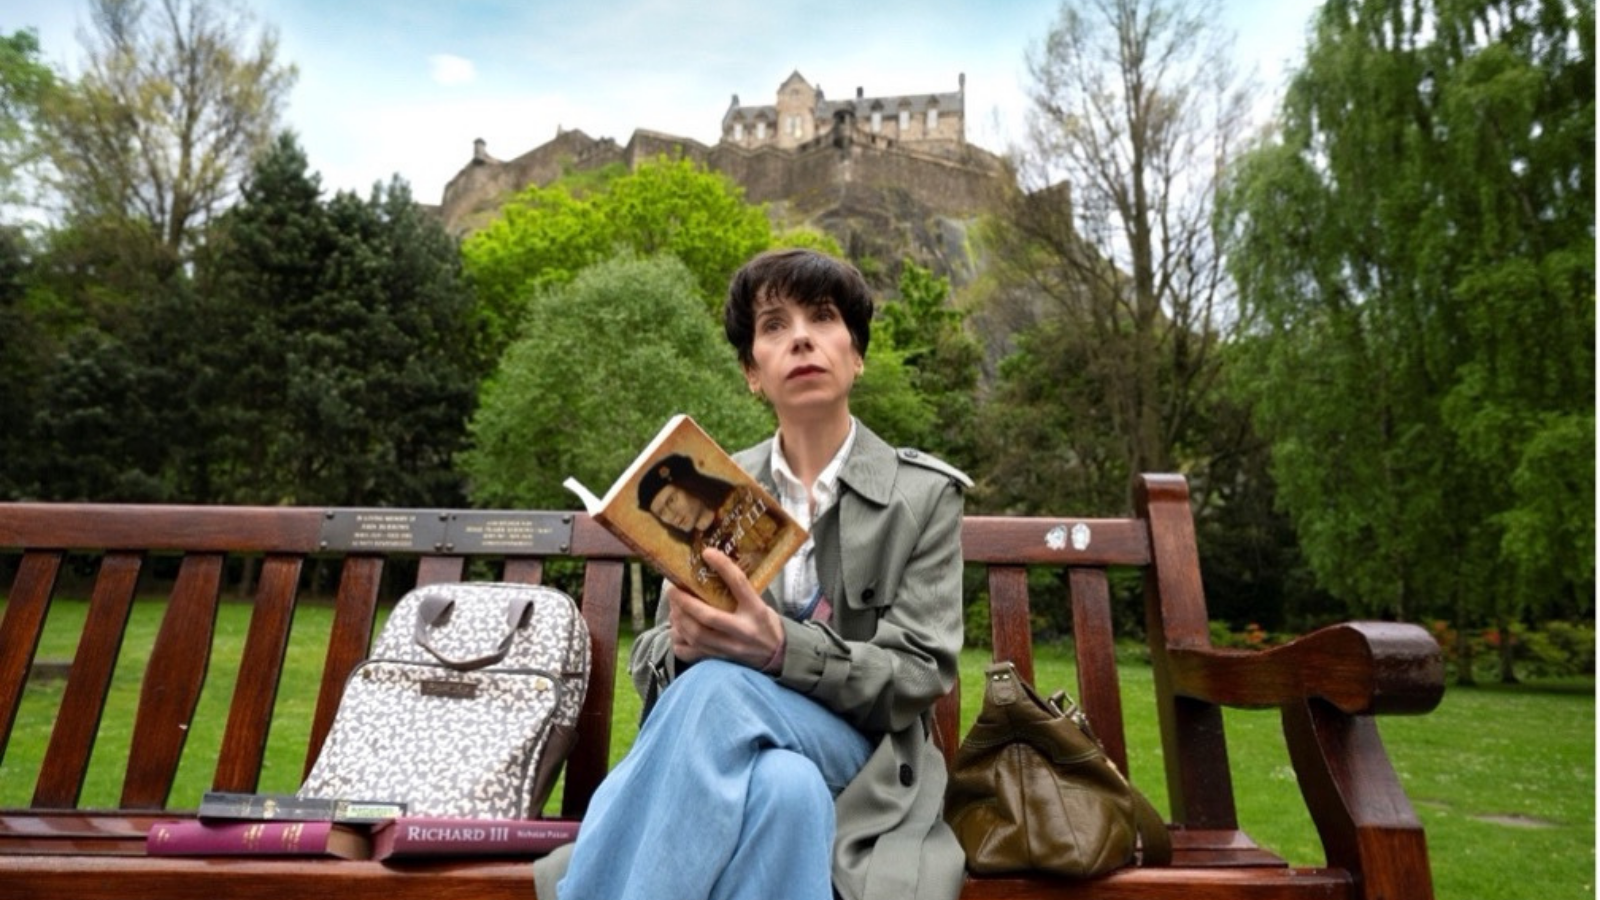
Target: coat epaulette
934, 463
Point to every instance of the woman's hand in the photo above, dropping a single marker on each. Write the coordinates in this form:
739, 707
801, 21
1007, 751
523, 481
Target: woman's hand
750, 634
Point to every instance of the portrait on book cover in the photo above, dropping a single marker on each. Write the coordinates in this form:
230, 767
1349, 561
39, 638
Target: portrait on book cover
691, 508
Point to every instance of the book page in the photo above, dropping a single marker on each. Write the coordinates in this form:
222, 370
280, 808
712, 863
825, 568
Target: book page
591, 503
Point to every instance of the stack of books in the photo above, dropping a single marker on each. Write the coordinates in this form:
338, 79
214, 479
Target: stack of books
247, 824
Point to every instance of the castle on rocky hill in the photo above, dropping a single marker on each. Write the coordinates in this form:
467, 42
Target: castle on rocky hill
803, 153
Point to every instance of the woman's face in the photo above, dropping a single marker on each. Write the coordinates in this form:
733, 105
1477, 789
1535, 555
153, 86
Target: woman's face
681, 510
803, 356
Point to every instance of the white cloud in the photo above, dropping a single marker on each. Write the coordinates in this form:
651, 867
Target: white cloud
450, 70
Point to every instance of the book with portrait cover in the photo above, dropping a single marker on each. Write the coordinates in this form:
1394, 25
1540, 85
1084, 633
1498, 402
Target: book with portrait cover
418, 836
684, 493
244, 838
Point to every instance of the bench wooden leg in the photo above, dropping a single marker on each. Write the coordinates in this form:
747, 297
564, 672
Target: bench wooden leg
1366, 822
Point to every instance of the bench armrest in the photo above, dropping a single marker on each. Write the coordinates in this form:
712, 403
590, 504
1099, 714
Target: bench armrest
1359, 667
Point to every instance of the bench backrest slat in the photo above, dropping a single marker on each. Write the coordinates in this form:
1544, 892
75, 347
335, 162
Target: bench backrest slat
255, 691
1011, 630
173, 679
523, 570
355, 611
1100, 690
84, 700
440, 569
20, 630
111, 526
601, 605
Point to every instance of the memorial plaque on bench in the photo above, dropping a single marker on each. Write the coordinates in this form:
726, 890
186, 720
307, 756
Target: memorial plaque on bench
420, 531
503, 531
458, 531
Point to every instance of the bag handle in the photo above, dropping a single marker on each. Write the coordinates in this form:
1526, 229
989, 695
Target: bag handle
434, 609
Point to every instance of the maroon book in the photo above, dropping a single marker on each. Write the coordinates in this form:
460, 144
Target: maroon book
244, 838
413, 836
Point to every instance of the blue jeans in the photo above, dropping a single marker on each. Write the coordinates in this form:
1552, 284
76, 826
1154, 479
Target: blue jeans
727, 794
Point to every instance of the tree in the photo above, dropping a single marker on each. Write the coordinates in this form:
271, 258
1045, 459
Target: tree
942, 359
1041, 453
26, 352
344, 357
546, 235
677, 206
24, 82
168, 117
604, 361
1135, 110
1417, 253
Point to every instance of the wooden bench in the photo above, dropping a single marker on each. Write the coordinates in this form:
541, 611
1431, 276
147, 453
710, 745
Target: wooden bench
1328, 685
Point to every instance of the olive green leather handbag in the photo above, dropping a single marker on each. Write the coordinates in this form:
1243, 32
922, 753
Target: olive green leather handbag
1031, 790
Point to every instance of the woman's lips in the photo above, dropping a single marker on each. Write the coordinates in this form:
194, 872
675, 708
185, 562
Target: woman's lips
803, 371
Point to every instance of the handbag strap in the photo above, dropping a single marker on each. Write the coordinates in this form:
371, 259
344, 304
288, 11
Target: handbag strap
434, 609
1155, 841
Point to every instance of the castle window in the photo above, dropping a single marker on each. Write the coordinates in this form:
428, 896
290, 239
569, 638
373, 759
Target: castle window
738, 131
761, 131
877, 121
794, 126
933, 120
905, 120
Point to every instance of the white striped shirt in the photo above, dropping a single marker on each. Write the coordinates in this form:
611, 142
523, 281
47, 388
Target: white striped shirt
798, 587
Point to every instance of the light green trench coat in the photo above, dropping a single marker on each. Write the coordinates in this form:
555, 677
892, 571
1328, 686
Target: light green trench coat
889, 559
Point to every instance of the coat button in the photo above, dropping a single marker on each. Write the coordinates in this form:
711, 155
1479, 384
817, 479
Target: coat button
906, 775
868, 594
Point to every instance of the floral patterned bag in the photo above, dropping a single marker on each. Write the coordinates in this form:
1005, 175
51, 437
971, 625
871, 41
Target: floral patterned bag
467, 705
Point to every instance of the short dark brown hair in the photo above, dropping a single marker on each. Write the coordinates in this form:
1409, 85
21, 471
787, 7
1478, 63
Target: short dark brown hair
805, 276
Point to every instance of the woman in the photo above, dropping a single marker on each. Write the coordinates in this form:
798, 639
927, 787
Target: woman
789, 753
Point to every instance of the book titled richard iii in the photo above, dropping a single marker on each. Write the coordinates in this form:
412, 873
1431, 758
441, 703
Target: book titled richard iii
195, 838
684, 493
416, 836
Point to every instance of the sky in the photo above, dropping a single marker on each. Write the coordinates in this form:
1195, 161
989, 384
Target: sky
404, 87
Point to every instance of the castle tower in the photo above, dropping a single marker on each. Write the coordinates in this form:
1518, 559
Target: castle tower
797, 112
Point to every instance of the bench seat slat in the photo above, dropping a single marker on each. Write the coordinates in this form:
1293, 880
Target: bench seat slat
171, 687
183, 878
255, 690
84, 700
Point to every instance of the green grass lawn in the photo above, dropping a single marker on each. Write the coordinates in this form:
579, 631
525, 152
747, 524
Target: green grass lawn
1503, 778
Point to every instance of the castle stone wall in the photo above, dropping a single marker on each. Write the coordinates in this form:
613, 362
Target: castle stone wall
954, 179
484, 183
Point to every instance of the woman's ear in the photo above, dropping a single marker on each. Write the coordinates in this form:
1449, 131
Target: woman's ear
752, 379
